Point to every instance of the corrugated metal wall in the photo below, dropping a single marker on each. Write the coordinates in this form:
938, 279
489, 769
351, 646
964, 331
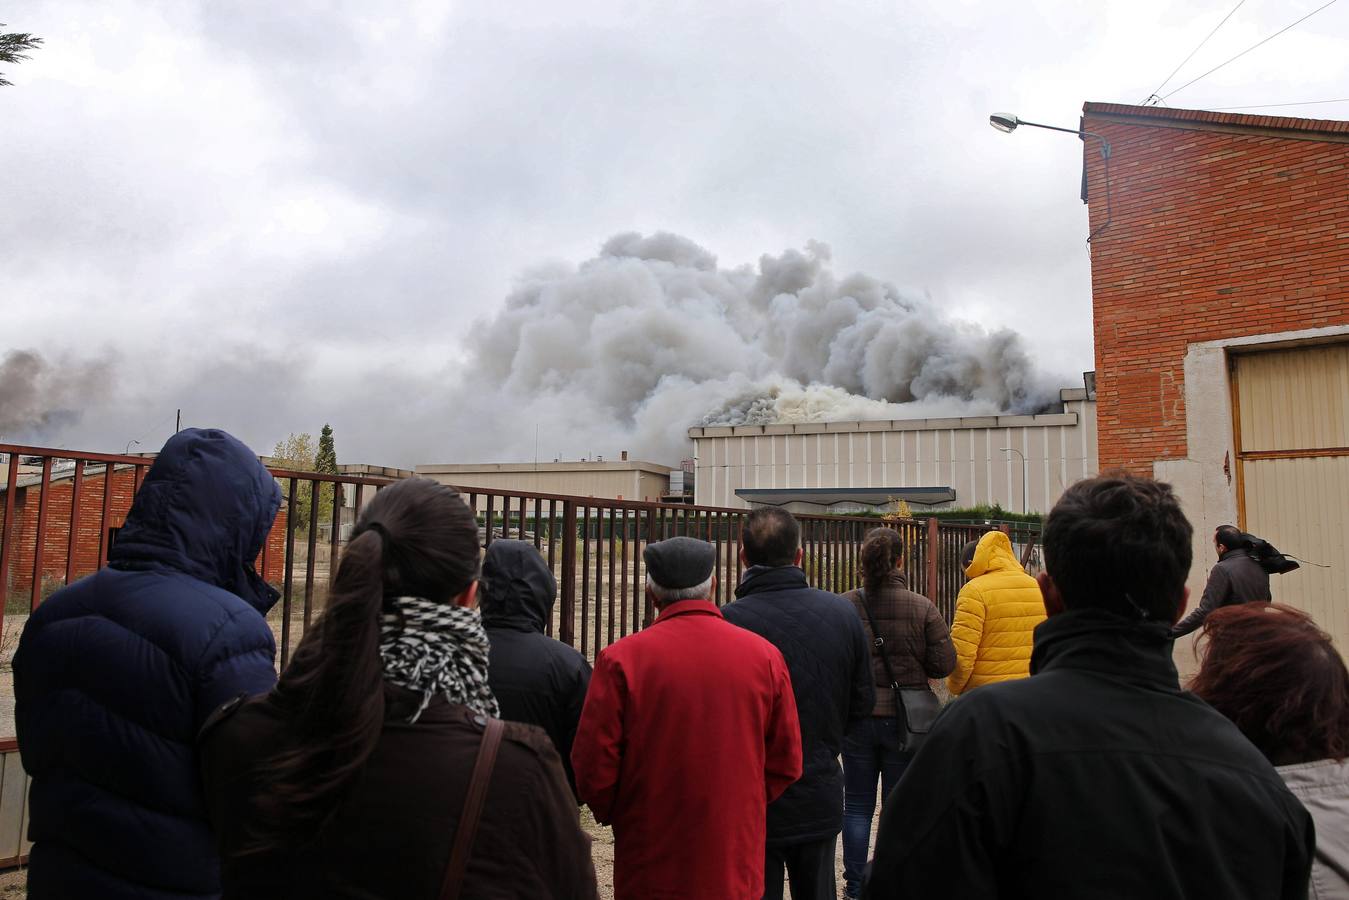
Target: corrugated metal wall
963, 454
1292, 409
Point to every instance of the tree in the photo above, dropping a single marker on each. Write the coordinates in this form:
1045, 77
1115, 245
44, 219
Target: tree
15, 47
325, 461
296, 453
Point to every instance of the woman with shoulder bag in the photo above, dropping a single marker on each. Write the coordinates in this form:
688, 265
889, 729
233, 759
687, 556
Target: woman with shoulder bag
910, 643
377, 767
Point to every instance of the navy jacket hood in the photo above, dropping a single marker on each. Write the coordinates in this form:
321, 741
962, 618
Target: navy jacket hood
518, 589
204, 510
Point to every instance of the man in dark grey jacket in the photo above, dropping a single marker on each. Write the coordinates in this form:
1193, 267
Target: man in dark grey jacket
820, 636
1237, 578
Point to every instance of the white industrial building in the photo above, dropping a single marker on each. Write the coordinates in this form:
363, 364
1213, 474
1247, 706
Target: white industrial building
620, 479
929, 463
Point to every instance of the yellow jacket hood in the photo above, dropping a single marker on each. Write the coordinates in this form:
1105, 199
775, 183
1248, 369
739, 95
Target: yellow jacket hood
994, 554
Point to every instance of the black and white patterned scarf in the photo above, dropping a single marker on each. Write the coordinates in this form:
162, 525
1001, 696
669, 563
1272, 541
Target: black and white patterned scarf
437, 648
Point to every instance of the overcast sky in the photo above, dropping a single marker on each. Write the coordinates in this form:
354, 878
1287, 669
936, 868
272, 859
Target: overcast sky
278, 214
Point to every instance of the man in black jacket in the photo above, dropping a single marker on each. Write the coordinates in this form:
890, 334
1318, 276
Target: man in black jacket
536, 679
820, 635
1236, 578
1097, 776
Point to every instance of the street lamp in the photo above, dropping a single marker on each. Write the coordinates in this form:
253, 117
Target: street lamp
1008, 122
1025, 504
127, 451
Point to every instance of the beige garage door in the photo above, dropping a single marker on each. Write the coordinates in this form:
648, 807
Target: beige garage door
1292, 417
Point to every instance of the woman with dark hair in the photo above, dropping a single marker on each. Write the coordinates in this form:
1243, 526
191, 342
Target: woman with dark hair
351, 777
1278, 677
914, 645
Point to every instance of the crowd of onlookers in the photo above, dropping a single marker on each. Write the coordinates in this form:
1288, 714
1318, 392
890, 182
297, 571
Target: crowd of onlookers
428, 740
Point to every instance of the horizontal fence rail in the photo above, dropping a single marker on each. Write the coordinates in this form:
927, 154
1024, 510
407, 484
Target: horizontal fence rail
60, 511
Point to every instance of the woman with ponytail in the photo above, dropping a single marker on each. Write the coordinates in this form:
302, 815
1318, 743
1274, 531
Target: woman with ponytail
914, 645
351, 777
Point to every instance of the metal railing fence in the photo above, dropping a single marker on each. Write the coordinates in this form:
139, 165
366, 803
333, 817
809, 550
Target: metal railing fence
60, 509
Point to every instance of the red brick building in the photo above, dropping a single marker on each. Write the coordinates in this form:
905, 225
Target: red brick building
1220, 287
91, 530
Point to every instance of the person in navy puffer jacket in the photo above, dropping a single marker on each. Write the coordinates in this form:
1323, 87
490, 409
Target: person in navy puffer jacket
116, 673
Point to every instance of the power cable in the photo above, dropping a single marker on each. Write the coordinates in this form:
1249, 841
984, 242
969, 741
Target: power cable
1153, 95
1273, 105
1249, 49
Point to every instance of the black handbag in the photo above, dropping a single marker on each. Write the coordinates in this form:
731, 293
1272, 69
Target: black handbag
917, 707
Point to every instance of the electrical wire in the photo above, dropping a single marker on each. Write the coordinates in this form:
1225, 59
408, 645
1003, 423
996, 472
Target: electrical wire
1273, 105
1249, 49
1153, 95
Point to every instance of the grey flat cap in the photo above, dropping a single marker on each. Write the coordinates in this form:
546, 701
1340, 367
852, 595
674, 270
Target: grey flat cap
680, 562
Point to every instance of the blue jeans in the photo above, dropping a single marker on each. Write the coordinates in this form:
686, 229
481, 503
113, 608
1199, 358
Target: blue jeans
870, 751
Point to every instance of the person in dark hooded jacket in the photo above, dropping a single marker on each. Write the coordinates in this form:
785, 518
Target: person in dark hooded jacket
116, 673
537, 680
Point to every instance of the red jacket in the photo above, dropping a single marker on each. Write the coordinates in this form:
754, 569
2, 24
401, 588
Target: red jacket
689, 730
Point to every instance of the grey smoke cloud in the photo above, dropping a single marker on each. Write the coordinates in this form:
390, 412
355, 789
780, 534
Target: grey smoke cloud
630, 348
38, 396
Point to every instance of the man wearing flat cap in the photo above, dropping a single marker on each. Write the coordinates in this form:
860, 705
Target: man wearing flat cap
689, 731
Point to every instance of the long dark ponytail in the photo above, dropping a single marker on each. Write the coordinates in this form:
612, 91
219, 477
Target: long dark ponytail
415, 538
882, 549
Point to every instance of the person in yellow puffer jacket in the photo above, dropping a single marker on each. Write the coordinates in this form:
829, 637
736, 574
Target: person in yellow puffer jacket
996, 614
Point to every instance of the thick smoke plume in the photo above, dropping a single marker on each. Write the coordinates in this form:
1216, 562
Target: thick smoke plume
631, 348
37, 396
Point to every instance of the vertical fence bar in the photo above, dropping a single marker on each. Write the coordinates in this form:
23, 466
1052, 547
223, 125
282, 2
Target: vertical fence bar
613, 586
334, 539
140, 477
585, 579
649, 608
7, 528
266, 555
288, 580
599, 578
827, 582
849, 548
487, 521
520, 533
723, 564
739, 524
312, 549
850, 567
35, 594
638, 585
538, 532
567, 628
552, 528
623, 576
109, 472
548, 628
72, 545
932, 552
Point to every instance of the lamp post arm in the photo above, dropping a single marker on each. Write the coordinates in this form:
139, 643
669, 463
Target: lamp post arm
1050, 127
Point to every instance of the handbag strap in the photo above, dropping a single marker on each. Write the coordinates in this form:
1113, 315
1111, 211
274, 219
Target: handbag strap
879, 643
473, 802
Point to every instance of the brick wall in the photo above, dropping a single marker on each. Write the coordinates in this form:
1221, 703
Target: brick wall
89, 530
1221, 226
